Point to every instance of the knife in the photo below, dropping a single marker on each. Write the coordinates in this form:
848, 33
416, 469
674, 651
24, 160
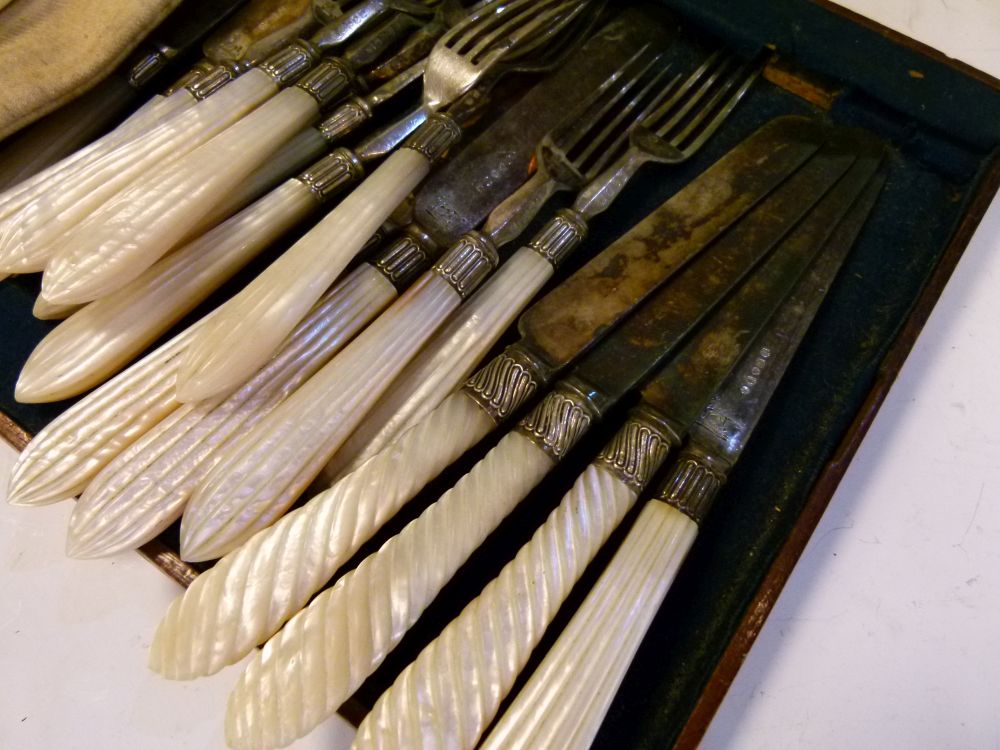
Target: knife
464, 674
566, 698
368, 611
318, 538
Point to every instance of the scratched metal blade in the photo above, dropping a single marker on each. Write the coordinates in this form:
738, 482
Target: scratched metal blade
460, 196
675, 310
726, 423
681, 390
574, 315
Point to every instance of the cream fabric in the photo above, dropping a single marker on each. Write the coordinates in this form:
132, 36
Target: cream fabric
54, 50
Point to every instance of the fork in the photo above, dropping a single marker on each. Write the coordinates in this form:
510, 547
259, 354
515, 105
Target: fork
270, 306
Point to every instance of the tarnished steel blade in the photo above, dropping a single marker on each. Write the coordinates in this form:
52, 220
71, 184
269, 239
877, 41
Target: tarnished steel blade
628, 354
460, 196
681, 390
186, 26
574, 315
725, 425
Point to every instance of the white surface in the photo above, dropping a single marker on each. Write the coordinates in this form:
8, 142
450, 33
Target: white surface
884, 637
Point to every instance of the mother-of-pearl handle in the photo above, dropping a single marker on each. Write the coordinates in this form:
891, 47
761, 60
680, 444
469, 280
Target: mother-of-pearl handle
563, 704
245, 597
255, 321
99, 339
146, 487
136, 227
449, 695
61, 460
152, 114
261, 315
447, 360
324, 653
451, 355
33, 234
266, 470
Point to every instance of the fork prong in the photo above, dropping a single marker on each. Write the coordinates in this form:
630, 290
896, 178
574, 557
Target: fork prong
480, 19
566, 137
678, 94
533, 29
693, 121
752, 71
493, 25
691, 100
618, 129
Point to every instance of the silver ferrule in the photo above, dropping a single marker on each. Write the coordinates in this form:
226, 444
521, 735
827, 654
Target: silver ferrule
434, 137
559, 420
327, 82
560, 236
506, 383
694, 483
214, 79
291, 62
331, 174
406, 257
347, 118
468, 262
149, 66
196, 73
639, 448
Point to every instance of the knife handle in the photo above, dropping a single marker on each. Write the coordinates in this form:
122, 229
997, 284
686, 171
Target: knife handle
146, 487
273, 303
450, 693
61, 460
252, 591
564, 702
324, 653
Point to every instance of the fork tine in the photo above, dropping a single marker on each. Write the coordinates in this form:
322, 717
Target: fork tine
607, 151
535, 31
704, 110
723, 112
695, 99
479, 19
498, 21
567, 137
570, 37
679, 94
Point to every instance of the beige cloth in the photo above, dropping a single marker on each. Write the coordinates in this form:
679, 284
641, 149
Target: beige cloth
54, 50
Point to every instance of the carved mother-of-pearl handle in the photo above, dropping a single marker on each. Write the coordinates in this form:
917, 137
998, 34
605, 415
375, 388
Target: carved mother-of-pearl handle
246, 596
152, 114
255, 321
324, 653
146, 487
136, 227
262, 474
446, 361
99, 339
564, 702
37, 229
452, 354
61, 460
449, 695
